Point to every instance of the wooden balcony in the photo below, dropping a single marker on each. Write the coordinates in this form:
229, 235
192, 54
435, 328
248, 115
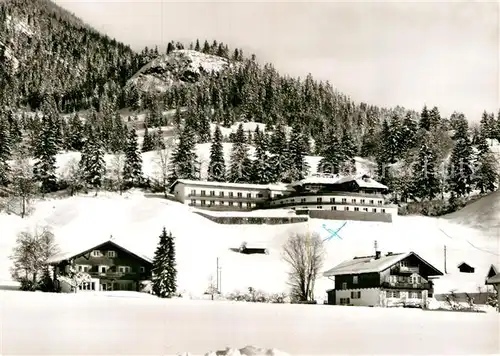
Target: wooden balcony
405, 269
405, 285
114, 275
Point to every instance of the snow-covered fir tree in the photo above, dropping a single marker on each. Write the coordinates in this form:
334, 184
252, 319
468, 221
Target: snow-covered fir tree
184, 163
486, 172
164, 267
240, 169
349, 150
425, 120
217, 166
5, 151
332, 156
426, 183
297, 153
92, 165
44, 169
262, 172
132, 169
460, 167
147, 142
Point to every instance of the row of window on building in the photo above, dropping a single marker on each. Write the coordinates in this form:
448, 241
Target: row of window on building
332, 201
222, 203
221, 194
346, 208
99, 253
405, 279
105, 269
411, 295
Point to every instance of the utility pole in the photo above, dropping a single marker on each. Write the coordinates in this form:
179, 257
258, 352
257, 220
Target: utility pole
445, 259
217, 274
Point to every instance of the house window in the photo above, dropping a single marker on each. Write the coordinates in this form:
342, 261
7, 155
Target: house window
230, 203
193, 192
332, 200
383, 210
103, 269
221, 194
111, 254
240, 195
142, 269
249, 205
354, 279
259, 195
240, 204
365, 209
353, 200
371, 201
374, 210
203, 193
344, 200
362, 201
355, 295
96, 253
249, 195
347, 208
380, 202
230, 194
319, 200
345, 301
212, 202
393, 294
193, 201
356, 209
212, 193
344, 285
334, 208
303, 200
124, 269
319, 207
202, 203
83, 268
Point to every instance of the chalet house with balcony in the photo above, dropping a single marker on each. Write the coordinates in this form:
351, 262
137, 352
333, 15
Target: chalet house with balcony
111, 267
493, 279
396, 279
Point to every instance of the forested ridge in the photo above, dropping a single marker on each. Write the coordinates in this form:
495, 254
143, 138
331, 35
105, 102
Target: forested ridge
53, 64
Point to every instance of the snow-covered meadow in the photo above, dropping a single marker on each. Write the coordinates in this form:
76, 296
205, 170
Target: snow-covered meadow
86, 324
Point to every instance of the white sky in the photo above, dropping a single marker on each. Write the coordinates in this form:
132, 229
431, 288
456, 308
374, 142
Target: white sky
388, 53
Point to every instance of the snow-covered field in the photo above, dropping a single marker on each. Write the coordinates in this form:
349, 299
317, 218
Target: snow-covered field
136, 221
83, 324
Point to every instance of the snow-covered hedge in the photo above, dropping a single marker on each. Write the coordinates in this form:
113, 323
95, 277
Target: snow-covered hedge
258, 296
245, 351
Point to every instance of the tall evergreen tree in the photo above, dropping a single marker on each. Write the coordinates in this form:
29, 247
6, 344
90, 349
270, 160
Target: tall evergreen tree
217, 166
240, 169
5, 151
262, 171
164, 267
486, 173
92, 165
460, 168
425, 120
44, 169
147, 142
349, 151
184, 163
132, 169
298, 168
408, 133
426, 182
332, 157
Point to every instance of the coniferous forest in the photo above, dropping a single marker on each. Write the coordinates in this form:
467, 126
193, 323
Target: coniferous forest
63, 87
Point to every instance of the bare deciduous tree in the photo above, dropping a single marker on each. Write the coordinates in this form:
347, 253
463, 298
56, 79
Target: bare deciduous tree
72, 176
116, 172
23, 183
212, 287
305, 256
162, 163
30, 257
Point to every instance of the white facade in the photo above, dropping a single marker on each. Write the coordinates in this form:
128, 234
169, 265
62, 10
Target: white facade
377, 297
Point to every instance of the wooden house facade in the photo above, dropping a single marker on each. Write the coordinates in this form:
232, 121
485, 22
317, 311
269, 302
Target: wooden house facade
110, 266
402, 279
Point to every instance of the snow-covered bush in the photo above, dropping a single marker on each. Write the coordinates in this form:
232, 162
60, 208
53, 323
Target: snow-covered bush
245, 351
258, 296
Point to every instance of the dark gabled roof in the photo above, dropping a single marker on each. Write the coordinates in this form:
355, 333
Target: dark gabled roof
492, 269
369, 265
69, 255
494, 280
464, 264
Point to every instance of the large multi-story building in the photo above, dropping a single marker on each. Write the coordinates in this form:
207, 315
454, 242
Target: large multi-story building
317, 196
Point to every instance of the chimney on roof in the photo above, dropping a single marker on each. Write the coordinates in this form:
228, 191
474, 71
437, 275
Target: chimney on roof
377, 252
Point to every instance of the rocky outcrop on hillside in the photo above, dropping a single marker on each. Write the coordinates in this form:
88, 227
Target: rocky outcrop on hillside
179, 66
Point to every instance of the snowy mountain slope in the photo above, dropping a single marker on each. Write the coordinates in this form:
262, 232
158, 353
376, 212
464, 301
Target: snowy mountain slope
180, 66
136, 222
483, 214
